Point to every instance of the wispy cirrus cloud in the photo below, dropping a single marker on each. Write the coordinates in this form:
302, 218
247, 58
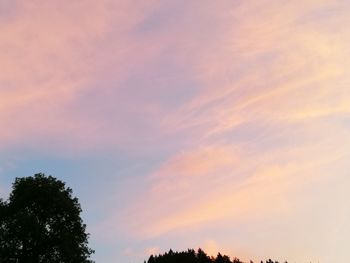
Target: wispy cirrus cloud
274, 92
280, 59
240, 110
53, 59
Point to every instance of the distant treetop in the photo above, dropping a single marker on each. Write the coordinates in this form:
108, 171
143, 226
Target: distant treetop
191, 256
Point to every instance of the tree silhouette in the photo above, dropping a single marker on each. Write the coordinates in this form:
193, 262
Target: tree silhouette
190, 256
41, 223
203, 257
222, 259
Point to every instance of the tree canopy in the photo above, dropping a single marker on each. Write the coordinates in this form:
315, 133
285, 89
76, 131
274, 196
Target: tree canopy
191, 256
40, 222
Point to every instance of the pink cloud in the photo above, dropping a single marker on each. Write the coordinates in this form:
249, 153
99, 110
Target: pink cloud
248, 100
55, 53
263, 63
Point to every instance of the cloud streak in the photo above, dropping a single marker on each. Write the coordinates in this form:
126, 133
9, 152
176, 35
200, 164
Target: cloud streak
275, 94
239, 109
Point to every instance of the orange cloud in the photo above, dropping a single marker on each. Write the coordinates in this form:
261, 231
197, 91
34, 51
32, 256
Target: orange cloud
267, 67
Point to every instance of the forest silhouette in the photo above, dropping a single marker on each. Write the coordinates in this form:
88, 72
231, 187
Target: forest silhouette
199, 256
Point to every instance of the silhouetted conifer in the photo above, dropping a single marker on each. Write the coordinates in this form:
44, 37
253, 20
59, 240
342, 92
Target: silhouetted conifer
191, 256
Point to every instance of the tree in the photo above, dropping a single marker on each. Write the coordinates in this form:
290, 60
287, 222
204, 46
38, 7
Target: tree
203, 257
222, 259
41, 223
190, 256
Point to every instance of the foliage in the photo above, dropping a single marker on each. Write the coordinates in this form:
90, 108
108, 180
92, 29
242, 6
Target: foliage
41, 223
191, 256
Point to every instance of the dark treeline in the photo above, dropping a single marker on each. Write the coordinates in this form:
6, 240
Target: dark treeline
191, 256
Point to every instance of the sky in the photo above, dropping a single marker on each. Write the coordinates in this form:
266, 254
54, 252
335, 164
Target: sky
181, 124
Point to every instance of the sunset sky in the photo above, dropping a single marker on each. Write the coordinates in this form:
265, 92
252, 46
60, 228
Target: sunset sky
183, 124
